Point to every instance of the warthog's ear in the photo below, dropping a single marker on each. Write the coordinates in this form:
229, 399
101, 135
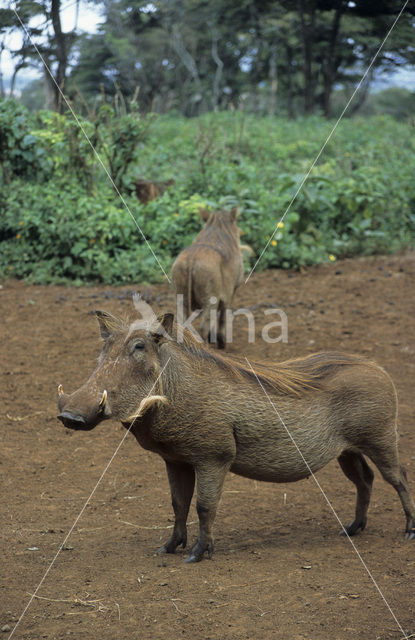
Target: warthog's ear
234, 213
164, 327
108, 324
204, 215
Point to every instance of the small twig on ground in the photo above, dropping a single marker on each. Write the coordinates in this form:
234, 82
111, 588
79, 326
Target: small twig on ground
80, 613
175, 605
20, 418
76, 601
49, 599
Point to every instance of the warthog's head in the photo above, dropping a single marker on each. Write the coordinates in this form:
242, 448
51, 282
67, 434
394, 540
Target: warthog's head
125, 382
229, 218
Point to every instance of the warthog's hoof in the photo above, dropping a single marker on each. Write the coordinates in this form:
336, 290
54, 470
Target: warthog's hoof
353, 528
410, 535
171, 545
165, 549
197, 552
221, 342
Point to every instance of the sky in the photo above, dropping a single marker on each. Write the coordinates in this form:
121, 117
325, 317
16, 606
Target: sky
89, 21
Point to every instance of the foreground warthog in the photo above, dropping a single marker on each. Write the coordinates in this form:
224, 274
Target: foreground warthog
206, 414
208, 272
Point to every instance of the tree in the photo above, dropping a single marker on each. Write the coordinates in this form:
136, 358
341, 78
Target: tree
7, 22
274, 56
40, 24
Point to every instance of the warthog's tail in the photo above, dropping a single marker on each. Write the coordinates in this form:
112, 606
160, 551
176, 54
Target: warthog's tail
245, 248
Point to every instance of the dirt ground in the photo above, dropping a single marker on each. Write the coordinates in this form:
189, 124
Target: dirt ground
280, 569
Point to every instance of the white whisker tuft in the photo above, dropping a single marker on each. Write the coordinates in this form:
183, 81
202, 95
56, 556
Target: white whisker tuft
145, 405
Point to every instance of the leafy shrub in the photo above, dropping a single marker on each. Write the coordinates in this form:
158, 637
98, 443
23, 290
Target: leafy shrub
70, 225
59, 235
118, 138
21, 153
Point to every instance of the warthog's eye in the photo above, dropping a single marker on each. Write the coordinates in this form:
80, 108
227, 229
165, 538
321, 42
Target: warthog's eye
138, 346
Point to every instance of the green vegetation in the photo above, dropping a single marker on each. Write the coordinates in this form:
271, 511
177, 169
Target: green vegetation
61, 219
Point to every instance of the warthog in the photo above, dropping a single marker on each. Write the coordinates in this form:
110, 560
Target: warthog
208, 271
206, 414
147, 190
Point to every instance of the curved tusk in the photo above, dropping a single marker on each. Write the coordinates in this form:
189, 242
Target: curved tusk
60, 390
103, 399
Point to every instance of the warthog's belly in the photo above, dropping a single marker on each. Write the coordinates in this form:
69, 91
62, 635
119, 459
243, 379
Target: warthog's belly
291, 468
274, 473
281, 458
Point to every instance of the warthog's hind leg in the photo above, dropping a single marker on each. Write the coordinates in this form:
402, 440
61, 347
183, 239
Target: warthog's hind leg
358, 471
386, 459
182, 483
407, 502
408, 505
221, 340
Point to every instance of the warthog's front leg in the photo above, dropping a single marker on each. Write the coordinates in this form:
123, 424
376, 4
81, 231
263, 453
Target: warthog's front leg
210, 479
182, 483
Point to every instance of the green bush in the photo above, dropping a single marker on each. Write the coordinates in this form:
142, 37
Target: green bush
21, 152
57, 235
62, 221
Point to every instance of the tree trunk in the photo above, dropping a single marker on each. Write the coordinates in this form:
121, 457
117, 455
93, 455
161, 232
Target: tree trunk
307, 33
219, 69
272, 75
362, 94
60, 52
1, 73
290, 96
187, 60
257, 62
20, 65
331, 64
49, 85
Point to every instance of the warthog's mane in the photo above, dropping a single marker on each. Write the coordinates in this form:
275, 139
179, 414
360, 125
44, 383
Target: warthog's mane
218, 234
293, 377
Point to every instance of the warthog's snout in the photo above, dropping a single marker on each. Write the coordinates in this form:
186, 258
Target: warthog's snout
73, 421
80, 411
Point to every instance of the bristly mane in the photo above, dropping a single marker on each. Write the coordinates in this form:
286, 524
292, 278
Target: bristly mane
219, 234
292, 377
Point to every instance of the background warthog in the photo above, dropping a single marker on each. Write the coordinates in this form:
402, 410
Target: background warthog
206, 414
147, 190
211, 268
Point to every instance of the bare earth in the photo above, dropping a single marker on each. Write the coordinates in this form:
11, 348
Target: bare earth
280, 569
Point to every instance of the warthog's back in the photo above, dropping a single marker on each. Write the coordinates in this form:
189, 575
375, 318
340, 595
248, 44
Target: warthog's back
212, 265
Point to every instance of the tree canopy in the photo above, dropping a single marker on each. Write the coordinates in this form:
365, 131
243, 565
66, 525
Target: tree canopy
194, 56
